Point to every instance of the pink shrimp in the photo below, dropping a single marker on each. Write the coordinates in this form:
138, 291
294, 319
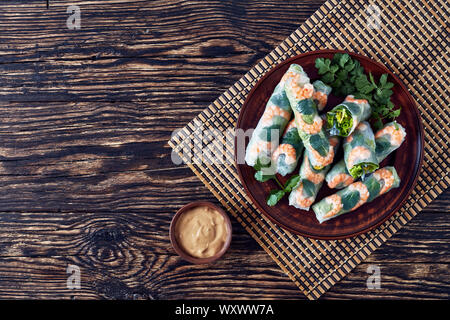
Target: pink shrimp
362, 126
304, 92
272, 111
363, 193
309, 174
290, 125
336, 205
360, 153
301, 200
313, 128
290, 76
260, 146
349, 139
321, 98
322, 161
340, 179
333, 141
397, 135
386, 176
358, 101
289, 152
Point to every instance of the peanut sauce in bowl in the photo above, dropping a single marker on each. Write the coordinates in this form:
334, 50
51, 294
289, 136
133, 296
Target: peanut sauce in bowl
200, 232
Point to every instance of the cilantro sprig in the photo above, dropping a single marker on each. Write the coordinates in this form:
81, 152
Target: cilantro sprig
346, 76
275, 195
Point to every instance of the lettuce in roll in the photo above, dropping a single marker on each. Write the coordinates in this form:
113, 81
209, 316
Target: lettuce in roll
359, 151
343, 119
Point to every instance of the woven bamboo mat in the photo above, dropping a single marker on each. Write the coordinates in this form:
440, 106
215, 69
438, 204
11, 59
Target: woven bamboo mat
412, 41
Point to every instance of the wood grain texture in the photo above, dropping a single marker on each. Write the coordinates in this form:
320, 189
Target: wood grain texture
86, 175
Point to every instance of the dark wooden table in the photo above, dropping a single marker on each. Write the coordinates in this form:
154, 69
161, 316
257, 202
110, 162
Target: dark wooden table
86, 172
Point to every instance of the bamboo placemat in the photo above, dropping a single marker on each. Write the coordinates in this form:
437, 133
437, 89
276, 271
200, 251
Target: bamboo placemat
412, 41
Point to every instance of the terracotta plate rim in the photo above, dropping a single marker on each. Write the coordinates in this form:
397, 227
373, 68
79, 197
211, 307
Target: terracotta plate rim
405, 195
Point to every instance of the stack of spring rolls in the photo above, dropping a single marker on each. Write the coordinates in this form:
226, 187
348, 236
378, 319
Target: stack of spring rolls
294, 110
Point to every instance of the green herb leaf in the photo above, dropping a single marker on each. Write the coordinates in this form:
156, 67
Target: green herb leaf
334, 68
346, 76
274, 197
343, 60
309, 188
395, 113
259, 176
328, 77
323, 65
258, 165
350, 199
306, 106
291, 183
388, 85
383, 79
320, 144
350, 65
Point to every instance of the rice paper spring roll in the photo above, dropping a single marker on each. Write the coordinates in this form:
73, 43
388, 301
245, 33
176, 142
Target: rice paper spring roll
286, 155
359, 151
321, 93
387, 140
311, 180
343, 119
356, 194
338, 177
277, 114
310, 125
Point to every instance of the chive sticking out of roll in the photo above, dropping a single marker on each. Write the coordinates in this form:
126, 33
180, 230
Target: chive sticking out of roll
358, 193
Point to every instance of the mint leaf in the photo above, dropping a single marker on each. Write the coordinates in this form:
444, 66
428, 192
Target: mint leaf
306, 106
309, 188
349, 200
320, 144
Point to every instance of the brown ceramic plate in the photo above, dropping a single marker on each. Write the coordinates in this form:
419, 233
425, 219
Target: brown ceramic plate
407, 160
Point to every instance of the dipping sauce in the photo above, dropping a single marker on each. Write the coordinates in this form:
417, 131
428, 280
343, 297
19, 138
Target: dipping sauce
201, 232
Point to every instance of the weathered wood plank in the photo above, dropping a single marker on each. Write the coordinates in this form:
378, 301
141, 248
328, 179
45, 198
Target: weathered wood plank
147, 51
30, 32
69, 233
149, 276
